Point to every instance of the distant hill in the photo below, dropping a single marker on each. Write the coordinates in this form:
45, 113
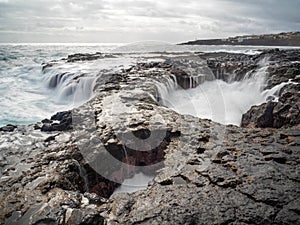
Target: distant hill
281, 39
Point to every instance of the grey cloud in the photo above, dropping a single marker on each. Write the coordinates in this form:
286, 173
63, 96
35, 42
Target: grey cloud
133, 20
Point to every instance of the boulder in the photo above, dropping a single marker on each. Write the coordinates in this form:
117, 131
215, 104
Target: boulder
8, 128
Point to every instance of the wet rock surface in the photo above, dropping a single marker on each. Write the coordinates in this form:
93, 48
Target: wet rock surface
86, 57
8, 128
285, 112
61, 121
205, 173
284, 70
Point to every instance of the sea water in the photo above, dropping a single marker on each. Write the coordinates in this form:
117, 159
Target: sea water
25, 96
220, 101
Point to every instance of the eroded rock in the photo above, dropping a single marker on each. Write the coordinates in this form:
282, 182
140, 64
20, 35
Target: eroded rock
207, 173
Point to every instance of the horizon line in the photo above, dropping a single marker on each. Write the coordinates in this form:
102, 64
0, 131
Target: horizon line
82, 43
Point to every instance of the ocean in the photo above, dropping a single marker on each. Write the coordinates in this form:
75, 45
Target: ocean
26, 94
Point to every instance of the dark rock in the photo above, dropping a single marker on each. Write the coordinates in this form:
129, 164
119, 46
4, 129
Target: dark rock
292, 88
46, 121
285, 112
65, 122
87, 57
50, 138
80, 217
47, 128
60, 116
8, 128
185, 80
284, 69
282, 72
190, 71
230, 67
263, 116
45, 66
37, 126
204, 172
94, 198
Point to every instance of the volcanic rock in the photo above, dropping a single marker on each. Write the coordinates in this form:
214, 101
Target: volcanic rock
204, 172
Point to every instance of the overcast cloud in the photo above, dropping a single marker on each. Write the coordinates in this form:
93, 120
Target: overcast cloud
136, 20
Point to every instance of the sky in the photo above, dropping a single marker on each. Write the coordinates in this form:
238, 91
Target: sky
125, 21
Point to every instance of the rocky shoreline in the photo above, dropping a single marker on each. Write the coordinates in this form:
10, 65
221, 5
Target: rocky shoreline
281, 39
62, 170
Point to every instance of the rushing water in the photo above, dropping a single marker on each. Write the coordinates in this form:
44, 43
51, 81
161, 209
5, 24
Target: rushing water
25, 95
28, 95
220, 101
138, 182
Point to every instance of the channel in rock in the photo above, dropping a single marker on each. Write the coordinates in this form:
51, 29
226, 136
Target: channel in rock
210, 173
223, 91
115, 149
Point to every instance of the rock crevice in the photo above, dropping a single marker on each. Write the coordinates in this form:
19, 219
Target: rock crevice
205, 172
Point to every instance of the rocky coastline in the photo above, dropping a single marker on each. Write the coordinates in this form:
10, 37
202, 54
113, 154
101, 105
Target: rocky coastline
60, 171
281, 39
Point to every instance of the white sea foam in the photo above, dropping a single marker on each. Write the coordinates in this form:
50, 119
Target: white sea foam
221, 101
73, 83
138, 182
24, 95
